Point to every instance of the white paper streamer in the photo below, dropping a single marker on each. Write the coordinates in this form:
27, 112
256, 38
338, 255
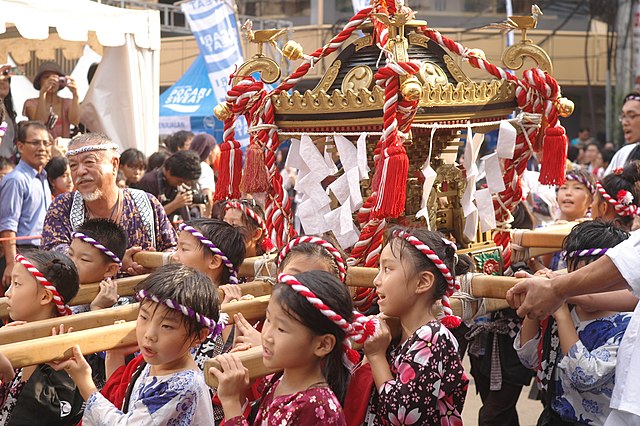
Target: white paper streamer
506, 140
492, 168
363, 167
486, 213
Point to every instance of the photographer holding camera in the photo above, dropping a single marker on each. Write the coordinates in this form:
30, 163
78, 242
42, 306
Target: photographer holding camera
171, 184
57, 113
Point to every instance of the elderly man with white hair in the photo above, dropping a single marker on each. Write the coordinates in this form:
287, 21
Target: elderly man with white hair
94, 160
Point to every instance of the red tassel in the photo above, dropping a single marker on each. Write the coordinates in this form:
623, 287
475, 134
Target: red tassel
554, 156
393, 181
228, 182
224, 176
451, 321
254, 178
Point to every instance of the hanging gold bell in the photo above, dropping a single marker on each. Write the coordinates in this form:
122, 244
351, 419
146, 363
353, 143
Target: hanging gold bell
222, 111
411, 89
292, 50
565, 107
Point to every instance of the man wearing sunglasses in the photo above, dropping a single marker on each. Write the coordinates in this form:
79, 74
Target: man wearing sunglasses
630, 120
25, 195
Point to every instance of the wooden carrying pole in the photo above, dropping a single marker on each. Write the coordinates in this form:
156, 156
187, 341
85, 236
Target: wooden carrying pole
251, 359
104, 317
88, 292
52, 348
547, 237
151, 259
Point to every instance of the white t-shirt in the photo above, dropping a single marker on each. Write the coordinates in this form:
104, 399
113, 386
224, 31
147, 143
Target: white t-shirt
620, 158
207, 179
625, 400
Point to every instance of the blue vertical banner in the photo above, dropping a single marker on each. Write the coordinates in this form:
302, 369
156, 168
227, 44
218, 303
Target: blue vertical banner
214, 26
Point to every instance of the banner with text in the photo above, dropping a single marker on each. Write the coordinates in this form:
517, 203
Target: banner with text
214, 26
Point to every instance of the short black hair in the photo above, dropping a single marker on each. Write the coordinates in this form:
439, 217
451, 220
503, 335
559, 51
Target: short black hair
58, 269
156, 160
55, 168
588, 235
226, 237
176, 141
24, 127
184, 164
186, 286
133, 158
108, 233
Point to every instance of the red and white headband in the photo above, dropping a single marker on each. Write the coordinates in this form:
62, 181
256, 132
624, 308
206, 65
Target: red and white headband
623, 203
87, 239
359, 330
342, 269
267, 244
58, 300
449, 319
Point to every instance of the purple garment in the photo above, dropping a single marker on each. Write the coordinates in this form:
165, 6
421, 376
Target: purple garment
58, 228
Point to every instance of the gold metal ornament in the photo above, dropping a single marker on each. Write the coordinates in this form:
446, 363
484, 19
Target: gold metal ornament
292, 50
565, 107
411, 89
222, 111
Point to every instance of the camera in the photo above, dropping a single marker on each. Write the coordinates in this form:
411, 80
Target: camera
200, 199
62, 82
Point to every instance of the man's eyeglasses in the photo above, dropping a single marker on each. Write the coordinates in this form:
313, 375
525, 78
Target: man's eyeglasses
627, 117
37, 142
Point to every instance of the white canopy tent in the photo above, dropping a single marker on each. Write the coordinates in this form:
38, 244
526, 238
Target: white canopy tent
122, 100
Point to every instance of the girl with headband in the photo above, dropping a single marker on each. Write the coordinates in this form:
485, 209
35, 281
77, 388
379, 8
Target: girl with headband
249, 215
417, 269
177, 312
302, 254
574, 198
309, 321
42, 283
574, 351
617, 197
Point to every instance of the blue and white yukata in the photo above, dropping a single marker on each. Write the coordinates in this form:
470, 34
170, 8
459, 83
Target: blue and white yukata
584, 379
179, 399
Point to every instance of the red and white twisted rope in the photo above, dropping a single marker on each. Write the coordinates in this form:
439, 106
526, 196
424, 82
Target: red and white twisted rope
58, 300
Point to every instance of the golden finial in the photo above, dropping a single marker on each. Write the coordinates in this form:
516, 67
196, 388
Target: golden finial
411, 89
522, 23
262, 36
